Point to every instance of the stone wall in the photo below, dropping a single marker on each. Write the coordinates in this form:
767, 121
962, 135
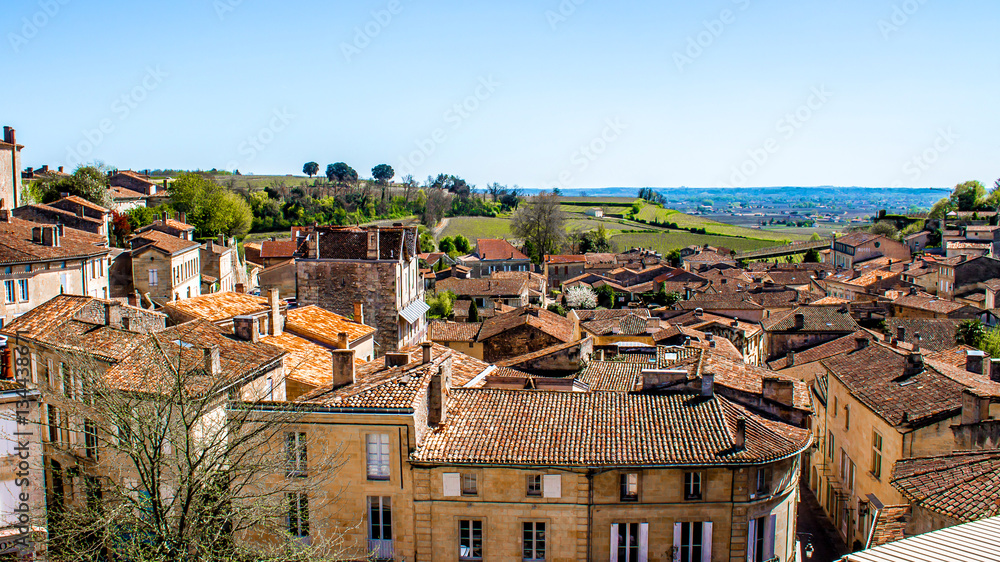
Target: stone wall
516, 341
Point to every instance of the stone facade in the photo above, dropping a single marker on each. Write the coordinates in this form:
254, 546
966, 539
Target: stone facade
10, 170
516, 341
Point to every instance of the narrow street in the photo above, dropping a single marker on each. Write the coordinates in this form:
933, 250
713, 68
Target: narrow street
815, 528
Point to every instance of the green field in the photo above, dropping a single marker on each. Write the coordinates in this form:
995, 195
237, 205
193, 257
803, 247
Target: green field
477, 227
672, 240
650, 212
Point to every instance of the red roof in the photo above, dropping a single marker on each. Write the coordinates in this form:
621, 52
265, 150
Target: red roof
497, 249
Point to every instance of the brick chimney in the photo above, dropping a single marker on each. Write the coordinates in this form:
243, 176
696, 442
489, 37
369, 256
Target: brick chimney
112, 314
343, 367
343, 342
707, 384
373, 244
239, 288
791, 358
975, 408
274, 316
245, 328
974, 361
425, 349
438, 391
396, 359
800, 321
995, 370
740, 437
652, 325
901, 333
860, 343
359, 312
779, 390
213, 365
9, 135
914, 365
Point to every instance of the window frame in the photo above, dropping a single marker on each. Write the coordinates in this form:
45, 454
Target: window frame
22, 290
467, 533
383, 505
382, 457
693, 486
10, 292
296, 454
696, 537
877, 445
298, 514
532, 527
625, 485
534, 487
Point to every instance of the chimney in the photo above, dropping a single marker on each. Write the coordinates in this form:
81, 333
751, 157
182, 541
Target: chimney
707, 384
791, 358
343, 367
210, 245
50, 236
426, 352
212, 363
275, 315
913, 290
343, 342
112, 314
437, 399
800, 321
995, 370
373, 249
740, 438
239, 288
975, 408
164, 185
60, 169
860, 343
245, 328
222, 241
652, 325
901, 333
8, 135
166, 217
126, 323
974, 361
5, 215
396, 359
359, 312
698, 311
779, 390
914, 365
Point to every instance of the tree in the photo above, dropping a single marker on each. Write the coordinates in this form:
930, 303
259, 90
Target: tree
383, 173
310, 169
970, 332
606, 296
812, 256
885, 228
473, 311
542, 223
596, 241
121, 228
442, 305
341, 172
968, 196
88, 182
438, 201
940, 209
426, 242
446, 245
462, 244
581, 296
211, 208
182, 464
331, 172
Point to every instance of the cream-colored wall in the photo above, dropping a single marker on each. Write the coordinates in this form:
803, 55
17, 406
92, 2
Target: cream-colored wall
166, 289
45, 281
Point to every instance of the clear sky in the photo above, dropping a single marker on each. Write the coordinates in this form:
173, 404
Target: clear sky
577, 93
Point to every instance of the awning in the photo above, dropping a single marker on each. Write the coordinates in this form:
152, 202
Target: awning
414, 311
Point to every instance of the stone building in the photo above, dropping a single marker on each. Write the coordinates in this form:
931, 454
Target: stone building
375, 266
525, 330
487, 292
861, 246
165, 267
559, 268
72, 211
805, 327
10, 170
494, 254
38, 262
218, 262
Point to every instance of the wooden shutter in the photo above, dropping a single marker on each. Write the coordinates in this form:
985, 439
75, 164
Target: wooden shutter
770, 524
643, 541
614, 542
752, 540
677, 542
552, 486
452, 483
706, 541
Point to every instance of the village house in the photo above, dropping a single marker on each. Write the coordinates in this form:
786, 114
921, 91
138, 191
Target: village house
461, 336
136, 183
537, 285
10, 169
175, 226
525, 330
914, 304
71, 211
39, 262
487, 292
494, 254
862, 246
218, 263
562, 268
165, 267
805, 327
375, 266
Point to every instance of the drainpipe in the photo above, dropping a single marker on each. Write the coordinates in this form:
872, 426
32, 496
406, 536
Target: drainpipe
590, 514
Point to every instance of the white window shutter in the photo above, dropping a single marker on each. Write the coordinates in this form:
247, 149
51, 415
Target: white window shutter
752, 541
452, 484
677, 542
614, 542
552, 486
643, 542
771, 525
706, 541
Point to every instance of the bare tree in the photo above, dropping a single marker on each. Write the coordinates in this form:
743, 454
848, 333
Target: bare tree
438, 203
181, 461
541, 224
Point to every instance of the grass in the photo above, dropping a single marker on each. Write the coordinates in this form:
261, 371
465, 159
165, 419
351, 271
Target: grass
477, 227
672, 240
651, 212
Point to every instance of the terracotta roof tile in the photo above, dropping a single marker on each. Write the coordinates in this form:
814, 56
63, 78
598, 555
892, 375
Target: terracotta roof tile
546, 321
890, 525
936, 334
279, 248
439, 330
960, 485
323, 326
218, 307
161, 241
483, 287
16, 245
497, 249
816, 319
822, 351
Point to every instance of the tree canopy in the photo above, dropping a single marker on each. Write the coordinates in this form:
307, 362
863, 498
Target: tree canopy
383, 173
211, 208
310, 169
542, 223
89, 182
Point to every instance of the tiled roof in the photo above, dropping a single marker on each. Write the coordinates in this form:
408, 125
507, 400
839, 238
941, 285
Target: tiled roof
439, 330
599, 258
545, 351
565, 259
730, 301
16, 244
955, 356
321, 325
162, 241
497, 249
279, 248
381, 387
602, 429
218, 307
536, 281
614, 376
936, 334
118, 192
172, 224
546, 321
890, 525
69, 321
961, 485
736, 374
822, 351
605, 313
83, 202
136, 176
857, 238
483, 287
628, 325
829, 301
351, 242
874, 376
929, 303
815, 319
305, 361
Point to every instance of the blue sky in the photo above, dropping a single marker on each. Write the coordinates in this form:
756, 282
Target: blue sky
577, 93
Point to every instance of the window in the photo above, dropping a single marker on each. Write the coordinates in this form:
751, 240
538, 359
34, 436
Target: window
876, 454
846, 471
847, 416
760, 546
534, 484
90, 439
470, 539
380, 518
269, 388
629, 541
829, 445
692, 485
53, 424
533, 541
295, 452
154, 279
470, 486
630, 487
836, 406
22, 285
762, 482
378, 456
298, 514
11, 295
693, 541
